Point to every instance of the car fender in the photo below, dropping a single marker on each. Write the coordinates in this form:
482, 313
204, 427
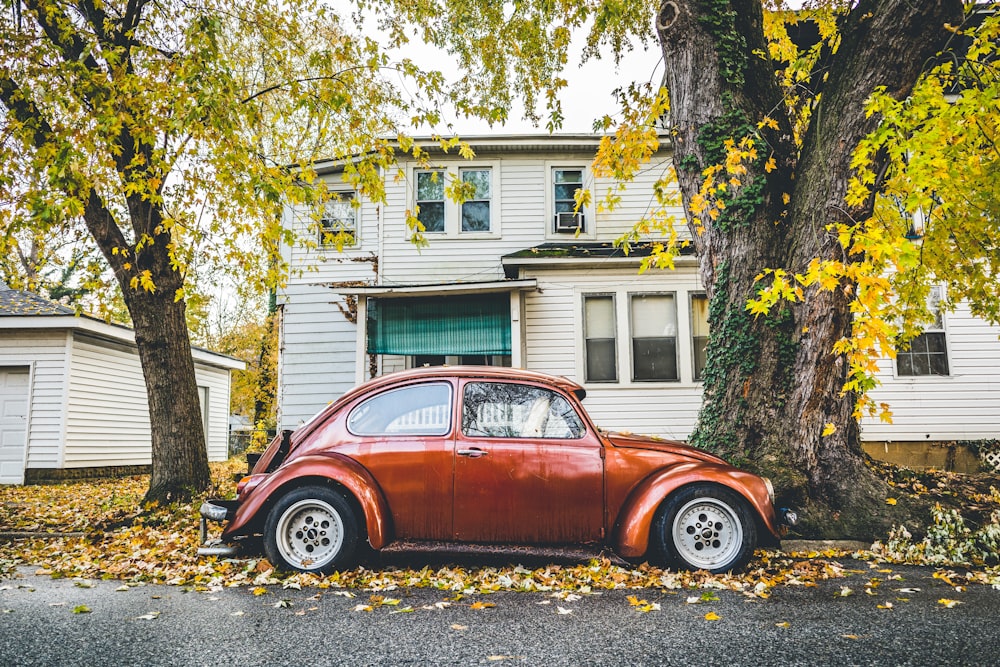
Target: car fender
334, 467
632, 527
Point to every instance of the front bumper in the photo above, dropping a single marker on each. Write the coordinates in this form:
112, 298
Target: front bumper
217, 510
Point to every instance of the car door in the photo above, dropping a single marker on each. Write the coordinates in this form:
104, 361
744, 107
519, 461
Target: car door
527, 468
404, 438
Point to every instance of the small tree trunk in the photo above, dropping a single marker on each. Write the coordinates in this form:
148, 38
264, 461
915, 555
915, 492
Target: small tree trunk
772, 382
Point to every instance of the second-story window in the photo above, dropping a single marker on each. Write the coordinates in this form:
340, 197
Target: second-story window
430, 200
338, 226
565, 183
476, 209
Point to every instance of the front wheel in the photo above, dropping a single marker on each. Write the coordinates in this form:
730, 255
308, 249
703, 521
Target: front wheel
705, 527
311, 529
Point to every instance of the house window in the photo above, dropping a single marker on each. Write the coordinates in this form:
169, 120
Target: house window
928, 352
699, 333
430, 200
338, 225
654, 337
565, 184
476, 209
600, 349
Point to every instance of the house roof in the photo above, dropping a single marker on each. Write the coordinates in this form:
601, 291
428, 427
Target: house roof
561, 255
18, 302
26, 310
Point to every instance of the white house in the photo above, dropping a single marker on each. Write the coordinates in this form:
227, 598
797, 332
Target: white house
514, 277
72, 395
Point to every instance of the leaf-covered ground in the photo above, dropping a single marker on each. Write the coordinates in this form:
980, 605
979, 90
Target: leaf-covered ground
114, 538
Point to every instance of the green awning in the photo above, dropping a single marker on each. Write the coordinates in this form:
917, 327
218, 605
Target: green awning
448, 325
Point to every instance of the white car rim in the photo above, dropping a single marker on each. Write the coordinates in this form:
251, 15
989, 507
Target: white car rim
707, 533
310, 534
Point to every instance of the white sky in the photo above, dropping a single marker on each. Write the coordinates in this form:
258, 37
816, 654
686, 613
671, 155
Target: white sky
586, 97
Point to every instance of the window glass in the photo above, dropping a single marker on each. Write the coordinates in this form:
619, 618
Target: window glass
928, 352
476, 210
565, 183
510, 410
599, 338
699, 332
654, 337
430, 200
338, 224
423, 409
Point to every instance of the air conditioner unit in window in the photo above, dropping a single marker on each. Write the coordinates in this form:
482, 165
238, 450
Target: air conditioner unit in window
569, 222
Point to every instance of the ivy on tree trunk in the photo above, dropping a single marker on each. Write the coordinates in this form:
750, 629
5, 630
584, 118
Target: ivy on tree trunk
773, 383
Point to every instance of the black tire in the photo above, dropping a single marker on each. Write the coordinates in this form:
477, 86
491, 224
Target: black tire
704, 527
311, 529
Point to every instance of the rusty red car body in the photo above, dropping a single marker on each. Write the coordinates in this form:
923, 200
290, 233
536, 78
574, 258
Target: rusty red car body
479, 455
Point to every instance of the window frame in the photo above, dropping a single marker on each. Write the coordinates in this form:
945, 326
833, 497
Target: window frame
586, 338
452, 210
937, 328
632, 337
692, 295
348, 198
589, 227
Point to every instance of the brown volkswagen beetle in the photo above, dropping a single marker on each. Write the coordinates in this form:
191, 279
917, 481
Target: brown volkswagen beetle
488, 456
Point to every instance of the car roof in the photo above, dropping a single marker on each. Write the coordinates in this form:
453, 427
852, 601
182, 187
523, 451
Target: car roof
481, 372
443, 372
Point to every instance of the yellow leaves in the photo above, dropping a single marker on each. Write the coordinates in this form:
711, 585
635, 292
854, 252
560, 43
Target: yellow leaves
481, 605
259, 590
890, 501
712, 616
949, 604
828, 429
770, 166
145, 280
643, 606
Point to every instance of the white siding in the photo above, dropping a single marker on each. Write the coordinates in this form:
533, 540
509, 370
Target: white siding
217, 381
554, 342
318, 352
45, 352
965, 405
107, 421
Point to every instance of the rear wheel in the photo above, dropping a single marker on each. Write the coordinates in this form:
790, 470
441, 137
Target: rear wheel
311, 529
705, 527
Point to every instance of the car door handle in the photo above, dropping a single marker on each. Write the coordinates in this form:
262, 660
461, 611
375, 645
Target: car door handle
474, 453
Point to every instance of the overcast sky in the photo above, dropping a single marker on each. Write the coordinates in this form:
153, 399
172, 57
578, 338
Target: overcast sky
586, 98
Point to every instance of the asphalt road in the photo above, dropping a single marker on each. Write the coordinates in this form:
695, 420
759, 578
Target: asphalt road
167, 625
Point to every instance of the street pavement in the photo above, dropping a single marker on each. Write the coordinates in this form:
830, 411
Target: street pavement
155, 625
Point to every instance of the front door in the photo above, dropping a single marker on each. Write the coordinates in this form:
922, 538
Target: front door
527, 469
13, 423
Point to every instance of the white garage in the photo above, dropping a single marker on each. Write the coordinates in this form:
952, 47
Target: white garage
73, 399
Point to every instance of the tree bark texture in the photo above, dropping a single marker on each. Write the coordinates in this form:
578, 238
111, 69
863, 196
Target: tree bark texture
773, 382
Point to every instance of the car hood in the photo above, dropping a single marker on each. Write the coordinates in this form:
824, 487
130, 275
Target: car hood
629, 441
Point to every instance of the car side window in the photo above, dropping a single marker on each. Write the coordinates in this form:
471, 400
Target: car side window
510, 410
423, 409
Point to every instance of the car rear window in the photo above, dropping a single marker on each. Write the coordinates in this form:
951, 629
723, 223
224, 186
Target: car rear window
423, 409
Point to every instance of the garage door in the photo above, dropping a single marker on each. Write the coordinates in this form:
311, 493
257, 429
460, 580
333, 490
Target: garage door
13, 423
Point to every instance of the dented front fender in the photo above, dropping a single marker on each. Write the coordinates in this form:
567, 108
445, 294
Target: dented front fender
330, 467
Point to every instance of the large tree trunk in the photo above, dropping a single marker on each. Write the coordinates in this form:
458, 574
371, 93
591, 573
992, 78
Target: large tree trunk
772, 382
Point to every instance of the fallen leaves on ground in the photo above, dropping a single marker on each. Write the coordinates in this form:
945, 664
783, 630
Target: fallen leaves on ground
124, 541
